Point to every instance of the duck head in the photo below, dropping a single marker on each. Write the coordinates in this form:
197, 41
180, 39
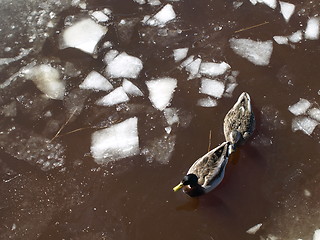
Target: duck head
190, 185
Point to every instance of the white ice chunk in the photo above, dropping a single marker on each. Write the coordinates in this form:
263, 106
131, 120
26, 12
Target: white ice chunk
165, 15
140, 1
180, 53
115, 97
287, 10
213, 69
47, 80
316, 235
130, 88
230, 88
125, 66
281, 39
256, 52
110, 56
161, 91
207, 102
193, 67
211, 87
154, 2
96, 81
186, 62
314, 113
254, 2
295, 37
300, 107
254, 229
305, 124
100, 16
83, 35
116, 142
171, 115
313, 29
270, 3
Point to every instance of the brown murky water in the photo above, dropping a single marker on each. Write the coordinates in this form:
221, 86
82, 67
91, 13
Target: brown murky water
273, 179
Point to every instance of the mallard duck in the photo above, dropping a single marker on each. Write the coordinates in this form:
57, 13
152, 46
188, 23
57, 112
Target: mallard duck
239, 123
206, 173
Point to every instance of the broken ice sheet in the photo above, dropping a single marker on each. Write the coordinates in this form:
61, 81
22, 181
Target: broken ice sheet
304, 124
96, 81
123, 65
300, 107
180, 53
83, 35
313, 28
131, 89
161, 91
115, 97
287, 10
165, 15
213, 69
193, 68
211, 87
47, 80
254, 229
207, 102
257, 52
116, 142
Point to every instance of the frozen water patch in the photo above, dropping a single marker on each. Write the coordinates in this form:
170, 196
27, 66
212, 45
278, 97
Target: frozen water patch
115, 97
96, 81
314, 113
270, 3
211, 87
161, 91
254, 229
300, 107
287, 9
295, 37
165, 15
124, 65
180, 53
47, 80
305, 124
257, 52
207, 102
116, 142
131, 89
83, 35
213, 69
281, 39
313, 29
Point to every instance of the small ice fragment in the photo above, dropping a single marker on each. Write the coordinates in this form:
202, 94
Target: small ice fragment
270, 3
193, 68
96, 81
47, 80
125, 66
295, 37
83, 35
307, 193
154, 2
230, 88
254, 2
305, 124
213, 69
186, 62
257, 52
207, 102
161, 91
312, 30
168, 130
180, 53
110, 56
165, 15
211, 87
100, 16
115, 97
171, 115
287, 10
299, 107
130, 88
14, 226
314, 113
281, 39
316, 235
254, 229
116, 142
140, 1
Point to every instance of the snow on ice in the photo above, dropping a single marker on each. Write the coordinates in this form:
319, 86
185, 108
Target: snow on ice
299, 107
180, 53
254, 229
207, 102
47, 80
313, 29
83, 35
257, 52
211, 87
96, 81
115, 97
165, 15
131, 89
287, 9
305, 124
213, 69
116, 142
123, 65
161, 91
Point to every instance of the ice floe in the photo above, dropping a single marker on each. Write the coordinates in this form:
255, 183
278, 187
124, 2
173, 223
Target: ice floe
96, 81
212, 87
207, 102
180, 53
161, 91
287, 9
254, 229
165, 15
281, 39
314, 113
115, 97
84, 35
313, 28
193, 68
300, 107
123, 65
131, 89
116, 142
295, 37
47, 79
213, 69
305, 124
270, 3
100, 16
257, 52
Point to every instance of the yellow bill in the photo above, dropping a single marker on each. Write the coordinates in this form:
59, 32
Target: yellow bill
178, 187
